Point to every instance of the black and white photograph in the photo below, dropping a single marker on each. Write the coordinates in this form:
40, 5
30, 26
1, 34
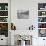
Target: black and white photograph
23, 14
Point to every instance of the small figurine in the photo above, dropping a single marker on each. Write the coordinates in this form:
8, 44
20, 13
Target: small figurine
31, 27
13, 27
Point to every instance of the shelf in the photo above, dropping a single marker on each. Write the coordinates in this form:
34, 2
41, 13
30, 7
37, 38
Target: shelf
41, 10
3, 10
3, 22
3, 16
41, 22
41, 28
42, 16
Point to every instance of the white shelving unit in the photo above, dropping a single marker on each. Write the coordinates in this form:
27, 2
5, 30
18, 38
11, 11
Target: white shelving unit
4, 15
42, 18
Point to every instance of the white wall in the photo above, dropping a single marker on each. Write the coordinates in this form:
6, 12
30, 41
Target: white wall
12, 37
32, 5
22, 24
5, 39
9, 38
